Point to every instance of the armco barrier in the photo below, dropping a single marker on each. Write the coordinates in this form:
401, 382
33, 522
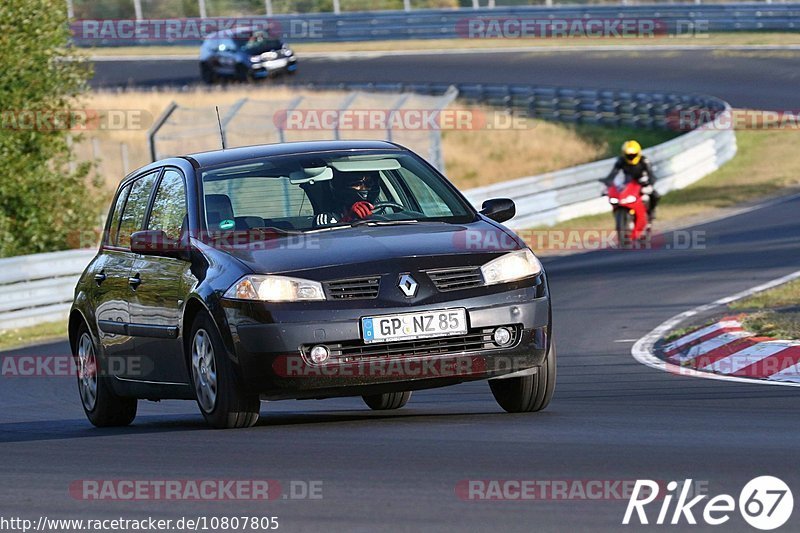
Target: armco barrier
676, 19
39, 288
573, 192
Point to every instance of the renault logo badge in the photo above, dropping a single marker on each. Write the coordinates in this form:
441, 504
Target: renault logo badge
408, 285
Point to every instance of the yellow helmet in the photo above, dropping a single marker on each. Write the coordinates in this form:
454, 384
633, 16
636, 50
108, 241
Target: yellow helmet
632, 152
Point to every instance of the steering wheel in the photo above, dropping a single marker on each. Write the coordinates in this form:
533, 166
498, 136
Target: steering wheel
382, 206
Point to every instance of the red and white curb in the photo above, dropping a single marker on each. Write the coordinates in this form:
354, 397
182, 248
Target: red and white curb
724, 351
726, 348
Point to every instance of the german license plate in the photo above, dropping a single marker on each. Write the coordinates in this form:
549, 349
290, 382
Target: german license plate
410, 326
277, 63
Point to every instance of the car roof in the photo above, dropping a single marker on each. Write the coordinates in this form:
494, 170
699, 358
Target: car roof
231, 155
239, 31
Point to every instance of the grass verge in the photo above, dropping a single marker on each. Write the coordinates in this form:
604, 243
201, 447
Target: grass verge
773, 313
713, 39
16, 338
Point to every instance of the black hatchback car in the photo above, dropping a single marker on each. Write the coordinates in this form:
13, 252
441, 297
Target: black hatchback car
305, 270
244, 54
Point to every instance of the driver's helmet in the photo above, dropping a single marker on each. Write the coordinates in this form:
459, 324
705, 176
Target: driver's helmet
632, 152
351, 187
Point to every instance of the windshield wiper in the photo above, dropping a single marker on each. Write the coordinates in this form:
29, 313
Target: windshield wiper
368, 222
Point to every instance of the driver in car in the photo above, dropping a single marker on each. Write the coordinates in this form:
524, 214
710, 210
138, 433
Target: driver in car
353, 195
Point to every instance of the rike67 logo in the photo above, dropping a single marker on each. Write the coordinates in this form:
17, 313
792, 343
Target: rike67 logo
765, 503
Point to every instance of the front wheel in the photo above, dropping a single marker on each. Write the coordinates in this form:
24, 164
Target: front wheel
101, 404
388, 401
624, 224
219, 395
207, 74
527, 394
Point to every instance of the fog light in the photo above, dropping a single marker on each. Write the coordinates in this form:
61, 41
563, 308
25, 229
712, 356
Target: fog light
501, 336
319, 354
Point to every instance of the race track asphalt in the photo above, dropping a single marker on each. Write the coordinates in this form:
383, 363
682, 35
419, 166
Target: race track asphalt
611, 418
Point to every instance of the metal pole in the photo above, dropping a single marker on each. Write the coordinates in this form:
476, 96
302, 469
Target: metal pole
123, 152
476, 4
407, 5
336, 7
268, 4
137, 8
201, 4
491, 4
151, 134
70, 10
345, 104
400, 102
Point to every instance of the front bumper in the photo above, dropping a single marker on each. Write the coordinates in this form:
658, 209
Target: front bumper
274, 66
271, 343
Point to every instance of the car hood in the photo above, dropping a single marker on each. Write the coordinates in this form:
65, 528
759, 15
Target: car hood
368, 244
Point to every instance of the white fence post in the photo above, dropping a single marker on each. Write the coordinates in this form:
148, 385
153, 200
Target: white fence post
137, 8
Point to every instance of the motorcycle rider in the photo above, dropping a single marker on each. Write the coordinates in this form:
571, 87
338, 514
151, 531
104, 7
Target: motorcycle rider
635, 166
353, 195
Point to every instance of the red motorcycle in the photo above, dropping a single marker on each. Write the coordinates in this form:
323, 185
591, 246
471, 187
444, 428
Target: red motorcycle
630, 213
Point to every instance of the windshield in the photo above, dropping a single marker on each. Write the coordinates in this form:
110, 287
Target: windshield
324, 190
257, 43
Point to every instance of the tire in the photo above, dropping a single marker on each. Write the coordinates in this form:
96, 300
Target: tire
528, 394
207, 74
243, 74
101, 404
219, 395
388, 401
623, 219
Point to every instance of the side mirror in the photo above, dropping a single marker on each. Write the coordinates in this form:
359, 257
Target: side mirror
499, 209
155, 242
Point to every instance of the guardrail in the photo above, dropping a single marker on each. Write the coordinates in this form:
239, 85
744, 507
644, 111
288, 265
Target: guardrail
556, 196
39, 288
675, 19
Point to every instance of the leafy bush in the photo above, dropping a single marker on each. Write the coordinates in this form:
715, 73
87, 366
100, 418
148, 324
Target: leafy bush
44, 200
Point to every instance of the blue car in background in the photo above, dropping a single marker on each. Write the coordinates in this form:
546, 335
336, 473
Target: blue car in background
244, 54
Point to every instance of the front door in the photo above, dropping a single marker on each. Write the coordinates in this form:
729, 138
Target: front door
163, 283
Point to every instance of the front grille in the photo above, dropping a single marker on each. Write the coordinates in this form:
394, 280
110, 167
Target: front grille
354, 288
453, 279
475, 340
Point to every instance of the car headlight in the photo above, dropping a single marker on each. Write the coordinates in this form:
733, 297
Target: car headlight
511, 267
255, 59
275, 289
288, 52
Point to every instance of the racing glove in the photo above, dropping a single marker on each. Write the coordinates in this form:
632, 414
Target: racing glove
362, 209
647, 189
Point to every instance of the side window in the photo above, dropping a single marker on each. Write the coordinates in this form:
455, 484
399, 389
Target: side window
113, 227
135, 207
169, 206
